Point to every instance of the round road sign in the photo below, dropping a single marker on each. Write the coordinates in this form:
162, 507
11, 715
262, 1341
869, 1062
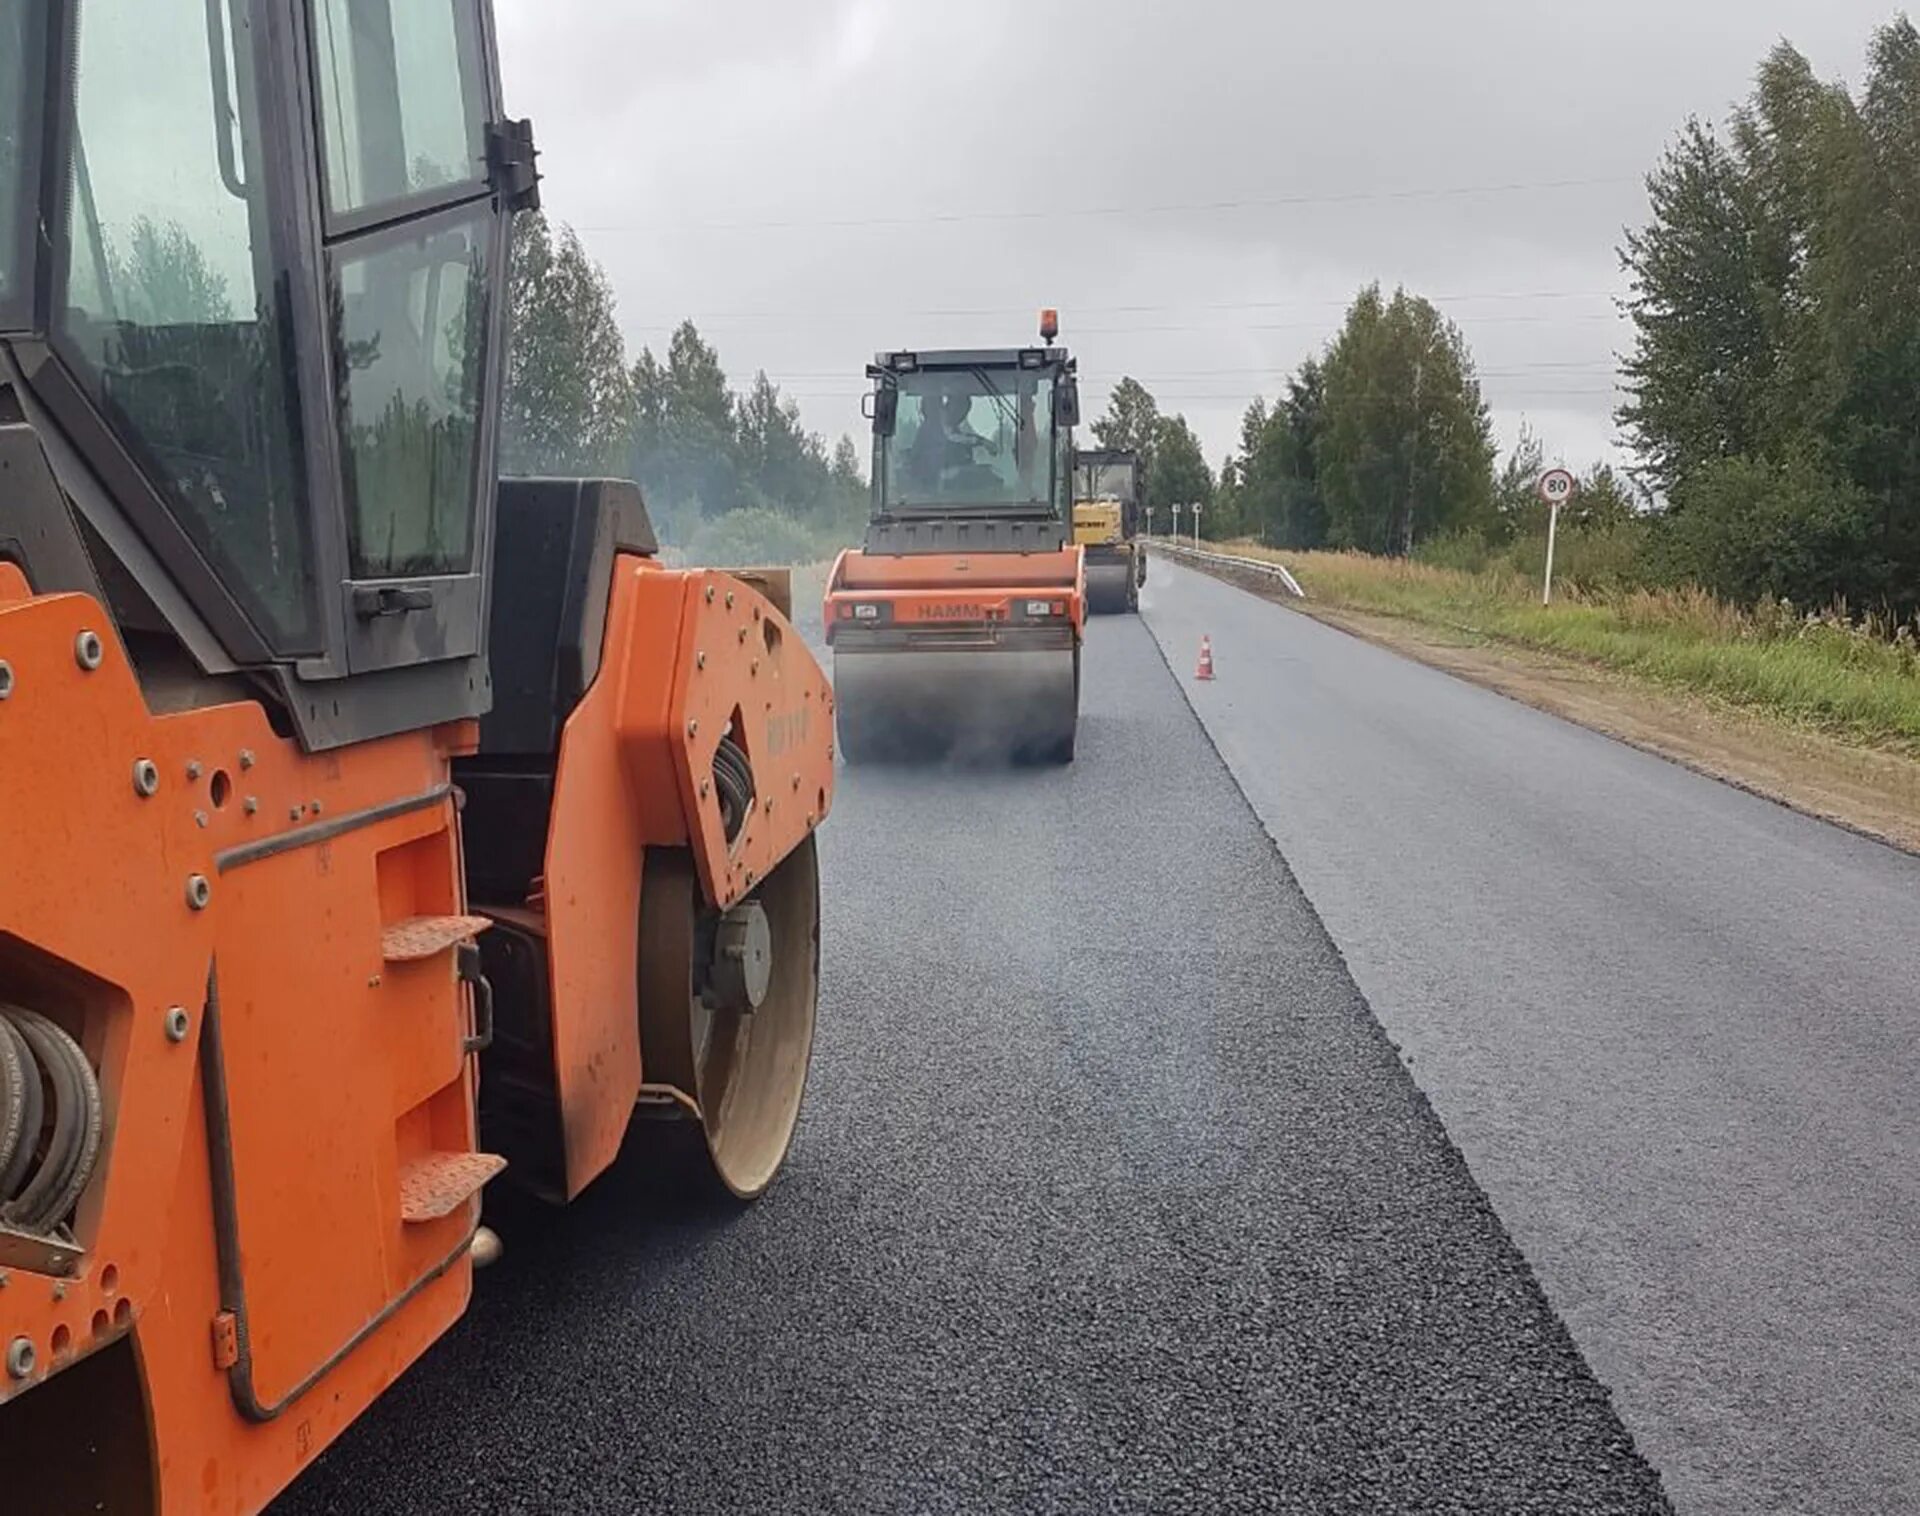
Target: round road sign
1556, 487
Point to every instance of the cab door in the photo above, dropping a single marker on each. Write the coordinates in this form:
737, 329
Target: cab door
415, 241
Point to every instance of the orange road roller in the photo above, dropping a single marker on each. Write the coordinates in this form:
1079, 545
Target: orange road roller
956, 628
375, 830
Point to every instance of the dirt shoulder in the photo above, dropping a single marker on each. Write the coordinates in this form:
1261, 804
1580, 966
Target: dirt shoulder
1868, 791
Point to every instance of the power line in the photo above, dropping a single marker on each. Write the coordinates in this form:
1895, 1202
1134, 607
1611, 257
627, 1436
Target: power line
1098, 378
1238, 397
1297, 326
1462, 319
1193, 207
948, 312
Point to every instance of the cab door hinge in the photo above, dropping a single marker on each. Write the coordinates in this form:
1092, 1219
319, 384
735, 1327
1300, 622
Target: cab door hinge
511, 159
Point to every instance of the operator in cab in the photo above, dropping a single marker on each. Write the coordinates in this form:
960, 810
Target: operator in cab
945, 441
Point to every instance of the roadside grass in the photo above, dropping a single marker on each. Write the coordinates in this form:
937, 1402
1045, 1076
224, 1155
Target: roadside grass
1859, 682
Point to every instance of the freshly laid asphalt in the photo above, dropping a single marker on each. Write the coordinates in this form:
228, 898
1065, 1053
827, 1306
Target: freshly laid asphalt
1110, 1194
1674, 1028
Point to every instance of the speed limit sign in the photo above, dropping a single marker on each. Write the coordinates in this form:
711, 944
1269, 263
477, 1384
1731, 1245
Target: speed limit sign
1556, 488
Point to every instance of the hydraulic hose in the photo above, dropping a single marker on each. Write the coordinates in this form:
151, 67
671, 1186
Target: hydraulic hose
19, 1107
733, 778
56, 1140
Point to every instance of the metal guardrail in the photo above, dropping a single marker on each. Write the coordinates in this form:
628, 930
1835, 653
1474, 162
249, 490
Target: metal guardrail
1180, 552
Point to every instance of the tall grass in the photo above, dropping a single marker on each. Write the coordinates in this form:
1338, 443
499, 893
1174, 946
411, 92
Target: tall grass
1854, 676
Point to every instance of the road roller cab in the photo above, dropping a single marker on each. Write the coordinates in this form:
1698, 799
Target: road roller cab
1108, 497
956, 628
372, 825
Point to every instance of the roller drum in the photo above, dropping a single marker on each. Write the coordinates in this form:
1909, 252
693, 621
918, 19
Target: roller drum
1110, 585
961, 705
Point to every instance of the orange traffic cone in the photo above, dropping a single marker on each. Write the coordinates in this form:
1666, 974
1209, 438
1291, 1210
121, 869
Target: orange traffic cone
1205, 671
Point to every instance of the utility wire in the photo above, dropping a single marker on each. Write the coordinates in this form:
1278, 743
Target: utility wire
868, 313
1242, 397
1095, 378
1461, 319
1050, 213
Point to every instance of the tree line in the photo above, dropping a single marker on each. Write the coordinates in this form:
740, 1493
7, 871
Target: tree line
728, 475
1775, 381
1381, 444
1772, 388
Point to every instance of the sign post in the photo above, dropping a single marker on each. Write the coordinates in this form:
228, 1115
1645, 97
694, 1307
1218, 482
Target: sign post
1556, 488
1195, 508
1173, 532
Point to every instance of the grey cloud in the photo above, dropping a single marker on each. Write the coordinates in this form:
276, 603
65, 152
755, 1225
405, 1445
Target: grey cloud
712, 154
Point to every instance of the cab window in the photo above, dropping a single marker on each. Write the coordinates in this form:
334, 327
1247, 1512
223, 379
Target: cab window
974, 435
169, 309
401, 99
414, 314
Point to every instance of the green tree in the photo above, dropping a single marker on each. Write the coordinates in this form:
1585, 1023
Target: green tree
752, 535
704, 455
568, 405
1776, 304
1277, 470
684, 443
847, 489
1178, 473
1237, 498
1518, 510
1754, 528
783, 466
1605, 500
1132, 421
1866, 284
701, 453
1405, 450
1301, 518
1230, 514
1704, 356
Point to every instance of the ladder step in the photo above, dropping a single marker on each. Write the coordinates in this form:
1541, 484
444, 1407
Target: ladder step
422, 936
440, 1183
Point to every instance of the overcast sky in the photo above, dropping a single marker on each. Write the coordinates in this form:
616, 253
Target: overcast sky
1199, 187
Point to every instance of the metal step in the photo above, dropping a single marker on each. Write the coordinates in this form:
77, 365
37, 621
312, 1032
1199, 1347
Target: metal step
421, 937
440, 1183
